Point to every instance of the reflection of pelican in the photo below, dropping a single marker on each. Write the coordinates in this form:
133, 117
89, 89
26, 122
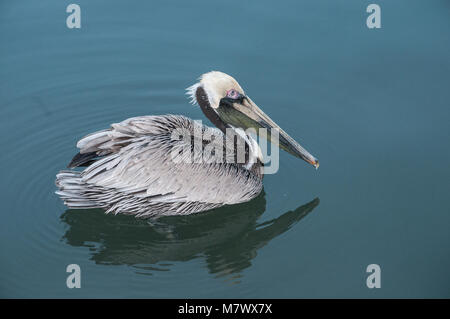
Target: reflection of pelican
228, 238
131, 168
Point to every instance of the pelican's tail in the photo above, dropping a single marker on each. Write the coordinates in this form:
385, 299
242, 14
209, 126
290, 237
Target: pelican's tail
72, 190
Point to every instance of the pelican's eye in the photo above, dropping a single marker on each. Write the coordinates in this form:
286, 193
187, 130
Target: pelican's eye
233, 94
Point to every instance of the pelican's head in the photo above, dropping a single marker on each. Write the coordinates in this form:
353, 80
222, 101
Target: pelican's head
225, 104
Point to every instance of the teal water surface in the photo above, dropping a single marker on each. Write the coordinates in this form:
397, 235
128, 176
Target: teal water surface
371, 104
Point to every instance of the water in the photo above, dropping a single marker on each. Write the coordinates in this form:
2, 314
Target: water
372, 105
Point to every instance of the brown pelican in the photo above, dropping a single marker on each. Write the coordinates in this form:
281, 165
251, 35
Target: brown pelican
131, 168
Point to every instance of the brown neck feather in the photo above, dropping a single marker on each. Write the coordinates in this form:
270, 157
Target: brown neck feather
202, 100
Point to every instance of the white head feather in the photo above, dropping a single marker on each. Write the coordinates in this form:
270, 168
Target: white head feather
216, 84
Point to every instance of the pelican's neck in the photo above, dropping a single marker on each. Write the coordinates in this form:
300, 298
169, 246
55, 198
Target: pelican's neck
254, 151
202, 100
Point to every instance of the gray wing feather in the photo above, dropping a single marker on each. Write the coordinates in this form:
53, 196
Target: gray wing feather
137, 173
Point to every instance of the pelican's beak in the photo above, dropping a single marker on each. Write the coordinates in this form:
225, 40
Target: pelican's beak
244, 113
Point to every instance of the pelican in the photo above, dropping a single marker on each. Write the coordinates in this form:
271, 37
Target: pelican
131, 167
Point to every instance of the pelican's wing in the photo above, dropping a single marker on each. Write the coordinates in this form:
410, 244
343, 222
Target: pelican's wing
138, 166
